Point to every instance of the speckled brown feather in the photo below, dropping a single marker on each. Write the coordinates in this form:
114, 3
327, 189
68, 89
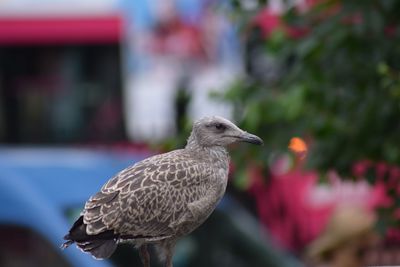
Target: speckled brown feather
149, 198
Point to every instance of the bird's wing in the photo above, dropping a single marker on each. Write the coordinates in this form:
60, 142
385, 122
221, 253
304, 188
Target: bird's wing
144, 199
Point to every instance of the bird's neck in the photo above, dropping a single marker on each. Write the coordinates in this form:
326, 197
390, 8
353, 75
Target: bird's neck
210, 152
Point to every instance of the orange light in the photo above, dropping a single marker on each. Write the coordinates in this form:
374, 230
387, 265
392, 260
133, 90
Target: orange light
298, 146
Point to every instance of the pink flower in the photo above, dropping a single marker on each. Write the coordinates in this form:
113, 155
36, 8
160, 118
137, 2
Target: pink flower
360, 168
394, 175
381, 168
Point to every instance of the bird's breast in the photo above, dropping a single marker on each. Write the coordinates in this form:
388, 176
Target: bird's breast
217, 184
221, 184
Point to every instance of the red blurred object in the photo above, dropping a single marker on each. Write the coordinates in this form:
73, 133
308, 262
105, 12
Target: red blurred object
360, 168
60, 30
269, 22
284, 211
175, 37
295, 208
382, 171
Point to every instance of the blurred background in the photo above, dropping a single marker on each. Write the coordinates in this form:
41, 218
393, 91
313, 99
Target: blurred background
88, 88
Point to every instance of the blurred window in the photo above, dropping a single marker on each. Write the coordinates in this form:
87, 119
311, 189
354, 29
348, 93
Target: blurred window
60, 94
21, 247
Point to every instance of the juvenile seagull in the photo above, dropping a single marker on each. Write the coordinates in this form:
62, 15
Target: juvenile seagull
162, 198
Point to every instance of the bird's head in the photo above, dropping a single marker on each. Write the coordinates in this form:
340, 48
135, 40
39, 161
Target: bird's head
217, 131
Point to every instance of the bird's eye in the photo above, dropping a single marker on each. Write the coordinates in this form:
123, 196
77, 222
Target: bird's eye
220, 126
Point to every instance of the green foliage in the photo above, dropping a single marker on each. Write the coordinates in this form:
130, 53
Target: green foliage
339, 84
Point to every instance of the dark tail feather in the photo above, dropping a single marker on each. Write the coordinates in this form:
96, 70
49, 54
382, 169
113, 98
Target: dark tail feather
66, 244
100, 249
101, 246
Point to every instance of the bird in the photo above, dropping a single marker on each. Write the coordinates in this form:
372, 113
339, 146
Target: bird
162, 198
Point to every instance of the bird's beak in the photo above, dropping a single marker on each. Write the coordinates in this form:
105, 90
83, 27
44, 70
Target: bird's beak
250, 138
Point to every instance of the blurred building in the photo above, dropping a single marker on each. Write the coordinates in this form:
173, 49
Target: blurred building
60, 71
107, 70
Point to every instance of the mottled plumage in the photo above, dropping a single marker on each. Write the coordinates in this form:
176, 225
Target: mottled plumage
161, 198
